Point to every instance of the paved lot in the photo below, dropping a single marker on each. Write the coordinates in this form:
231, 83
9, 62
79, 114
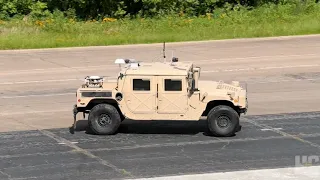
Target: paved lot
37, 93
152, 149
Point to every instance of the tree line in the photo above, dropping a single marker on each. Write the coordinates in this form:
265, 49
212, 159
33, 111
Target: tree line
97, 9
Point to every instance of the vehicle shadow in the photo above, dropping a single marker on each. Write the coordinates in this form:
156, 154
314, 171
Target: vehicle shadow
153, 127
162, 127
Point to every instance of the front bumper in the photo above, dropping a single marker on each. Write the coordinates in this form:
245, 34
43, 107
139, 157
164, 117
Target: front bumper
243, 110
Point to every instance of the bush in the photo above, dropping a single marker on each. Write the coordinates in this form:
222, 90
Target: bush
99, 9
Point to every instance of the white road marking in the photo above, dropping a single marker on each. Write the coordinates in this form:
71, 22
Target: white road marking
261, 68
35, 112
40, 81
283, 67
48, 70
291, 173
50, 80
62, 143
112, 66
228, 60
271, 129
278, 81
36, 95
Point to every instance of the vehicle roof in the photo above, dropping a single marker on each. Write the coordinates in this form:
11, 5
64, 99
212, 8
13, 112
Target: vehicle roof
159, 68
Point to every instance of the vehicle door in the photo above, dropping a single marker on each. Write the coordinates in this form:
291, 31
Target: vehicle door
172, 95
141, 95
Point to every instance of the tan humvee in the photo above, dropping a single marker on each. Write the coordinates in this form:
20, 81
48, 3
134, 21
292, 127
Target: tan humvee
161, 91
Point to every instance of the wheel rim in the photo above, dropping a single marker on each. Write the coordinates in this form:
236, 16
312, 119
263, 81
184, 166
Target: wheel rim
223, 121
104, 120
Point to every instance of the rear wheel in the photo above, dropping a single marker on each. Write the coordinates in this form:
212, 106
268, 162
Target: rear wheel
104, 119
223, 121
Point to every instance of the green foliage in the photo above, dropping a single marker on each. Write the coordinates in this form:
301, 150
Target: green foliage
228, 21
99, 9
61, 23
39, 10
16, 8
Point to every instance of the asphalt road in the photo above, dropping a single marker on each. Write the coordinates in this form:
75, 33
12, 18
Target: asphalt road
151, 149
37, 90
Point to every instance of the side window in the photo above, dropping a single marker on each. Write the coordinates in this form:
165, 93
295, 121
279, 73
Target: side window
172, 85
141, 85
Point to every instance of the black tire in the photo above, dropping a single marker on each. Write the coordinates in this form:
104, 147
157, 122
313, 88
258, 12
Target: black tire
223, 114
104, 119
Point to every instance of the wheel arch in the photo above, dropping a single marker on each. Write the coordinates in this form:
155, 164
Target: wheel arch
112, 102
214, 103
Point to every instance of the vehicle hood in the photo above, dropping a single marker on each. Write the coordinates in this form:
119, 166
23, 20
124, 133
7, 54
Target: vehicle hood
216, 89
213, 90
207, 86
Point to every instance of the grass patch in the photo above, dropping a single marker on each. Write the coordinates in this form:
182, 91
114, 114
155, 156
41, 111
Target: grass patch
264, 21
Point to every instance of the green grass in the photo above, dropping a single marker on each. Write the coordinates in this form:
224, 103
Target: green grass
261, 22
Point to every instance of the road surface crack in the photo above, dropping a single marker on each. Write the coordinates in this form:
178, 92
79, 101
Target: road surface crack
83, 151
284, 133
5, 174
223, 147
78, 149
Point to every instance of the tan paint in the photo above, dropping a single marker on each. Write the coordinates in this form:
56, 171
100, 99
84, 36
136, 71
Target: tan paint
158, 104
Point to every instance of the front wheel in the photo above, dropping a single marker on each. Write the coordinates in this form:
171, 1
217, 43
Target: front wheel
223, 121
104, 119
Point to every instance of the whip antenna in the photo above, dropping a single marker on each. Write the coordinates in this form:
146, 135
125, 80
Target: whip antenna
164, 51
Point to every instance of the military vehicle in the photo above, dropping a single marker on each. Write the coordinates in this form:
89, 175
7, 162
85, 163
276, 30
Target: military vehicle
160, 91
